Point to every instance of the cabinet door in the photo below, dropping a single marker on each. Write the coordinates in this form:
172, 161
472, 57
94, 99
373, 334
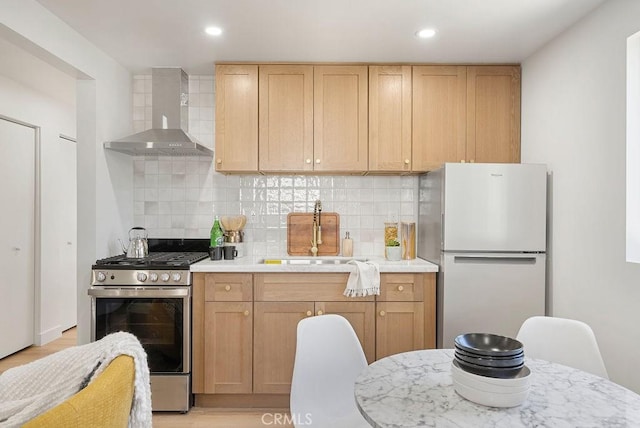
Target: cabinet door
439, 116
286, 118
236, 145
228, 344
399, 327
274, 347
361, 316
340, 118
493, 114
390, 118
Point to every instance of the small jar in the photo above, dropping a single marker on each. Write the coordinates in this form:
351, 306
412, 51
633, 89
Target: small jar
390, 232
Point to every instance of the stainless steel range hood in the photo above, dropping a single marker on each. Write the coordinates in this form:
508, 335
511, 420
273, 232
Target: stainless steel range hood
169, 120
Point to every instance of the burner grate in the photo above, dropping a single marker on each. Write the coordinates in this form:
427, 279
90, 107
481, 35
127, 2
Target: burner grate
160, 259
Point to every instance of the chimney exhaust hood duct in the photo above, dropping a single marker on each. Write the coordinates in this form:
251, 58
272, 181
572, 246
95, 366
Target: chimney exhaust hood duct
169, 120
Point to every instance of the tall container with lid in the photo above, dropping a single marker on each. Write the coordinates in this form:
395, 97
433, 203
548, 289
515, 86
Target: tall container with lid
408, 240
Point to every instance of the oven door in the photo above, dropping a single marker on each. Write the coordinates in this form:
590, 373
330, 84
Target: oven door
158, 317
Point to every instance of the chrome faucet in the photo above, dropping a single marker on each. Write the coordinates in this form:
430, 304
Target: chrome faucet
317, 228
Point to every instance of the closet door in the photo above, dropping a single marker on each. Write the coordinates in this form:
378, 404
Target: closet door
17, 242
65, 231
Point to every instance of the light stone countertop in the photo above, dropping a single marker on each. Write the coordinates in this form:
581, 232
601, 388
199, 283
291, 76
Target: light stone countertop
250, 264
415, 389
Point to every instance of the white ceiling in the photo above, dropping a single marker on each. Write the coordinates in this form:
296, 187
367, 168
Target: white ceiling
141, 34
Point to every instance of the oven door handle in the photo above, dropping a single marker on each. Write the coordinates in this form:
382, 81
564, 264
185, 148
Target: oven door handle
151, 292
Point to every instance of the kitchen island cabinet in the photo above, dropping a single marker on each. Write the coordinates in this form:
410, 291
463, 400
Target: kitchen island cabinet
232, 366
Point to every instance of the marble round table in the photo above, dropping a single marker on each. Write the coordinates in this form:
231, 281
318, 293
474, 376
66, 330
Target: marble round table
414, 389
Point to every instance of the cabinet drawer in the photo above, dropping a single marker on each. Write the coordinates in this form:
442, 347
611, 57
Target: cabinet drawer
228, 287
303, 287
401, 288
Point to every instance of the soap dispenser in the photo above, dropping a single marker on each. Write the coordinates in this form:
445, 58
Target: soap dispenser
347, 246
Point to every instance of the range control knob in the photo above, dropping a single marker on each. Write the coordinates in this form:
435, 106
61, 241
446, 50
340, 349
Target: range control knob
153, 277
142, 277
176, 276
164, 277
100, 276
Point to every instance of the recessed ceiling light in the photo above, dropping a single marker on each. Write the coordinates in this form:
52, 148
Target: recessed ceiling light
213, 31
426, 33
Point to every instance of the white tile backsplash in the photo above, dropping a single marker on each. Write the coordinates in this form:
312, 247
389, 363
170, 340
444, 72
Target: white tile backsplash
178, 197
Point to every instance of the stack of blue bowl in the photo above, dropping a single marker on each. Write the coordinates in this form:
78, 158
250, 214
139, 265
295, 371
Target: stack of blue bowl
489, 355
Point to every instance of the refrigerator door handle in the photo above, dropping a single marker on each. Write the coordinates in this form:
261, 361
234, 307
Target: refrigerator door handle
524, 258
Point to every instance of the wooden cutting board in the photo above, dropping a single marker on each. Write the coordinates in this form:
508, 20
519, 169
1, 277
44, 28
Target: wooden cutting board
300, 233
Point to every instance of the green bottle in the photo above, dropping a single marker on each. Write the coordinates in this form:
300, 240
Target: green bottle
217, 236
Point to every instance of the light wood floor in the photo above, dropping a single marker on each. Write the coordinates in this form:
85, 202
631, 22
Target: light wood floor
198, 417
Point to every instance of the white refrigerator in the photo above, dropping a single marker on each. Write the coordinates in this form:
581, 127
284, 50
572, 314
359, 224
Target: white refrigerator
485, 226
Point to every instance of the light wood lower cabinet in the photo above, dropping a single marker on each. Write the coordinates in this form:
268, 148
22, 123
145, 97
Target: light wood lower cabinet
222, 333
245, 325
228, 343
274, 345
399, 327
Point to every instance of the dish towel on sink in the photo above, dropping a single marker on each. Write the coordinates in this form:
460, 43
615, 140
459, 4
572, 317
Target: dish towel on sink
364, 280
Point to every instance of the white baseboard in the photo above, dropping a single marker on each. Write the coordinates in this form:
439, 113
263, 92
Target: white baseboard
50, 335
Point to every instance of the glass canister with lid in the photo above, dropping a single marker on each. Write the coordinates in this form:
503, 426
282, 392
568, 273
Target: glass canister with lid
390, 232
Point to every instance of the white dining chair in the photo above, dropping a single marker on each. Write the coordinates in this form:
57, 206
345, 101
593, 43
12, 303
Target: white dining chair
328, 360
563, 341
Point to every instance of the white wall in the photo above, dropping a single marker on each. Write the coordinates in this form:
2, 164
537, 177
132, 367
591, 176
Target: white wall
573, 119
37, 93
105, 207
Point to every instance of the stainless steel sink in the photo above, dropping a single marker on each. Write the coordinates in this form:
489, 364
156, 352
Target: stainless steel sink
312, 261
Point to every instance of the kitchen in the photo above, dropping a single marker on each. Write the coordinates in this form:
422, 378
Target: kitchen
573, 120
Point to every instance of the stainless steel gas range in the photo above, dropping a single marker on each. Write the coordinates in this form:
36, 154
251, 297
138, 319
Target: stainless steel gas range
150, 297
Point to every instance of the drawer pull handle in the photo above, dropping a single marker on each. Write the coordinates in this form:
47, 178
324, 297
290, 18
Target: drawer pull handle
246, 313
400, 288
227, 288
382, 313
320, 313
309, 313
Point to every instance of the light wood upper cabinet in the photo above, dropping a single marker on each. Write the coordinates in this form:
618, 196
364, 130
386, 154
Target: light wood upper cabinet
390, 118
439, 115
236, 144
286, 118
465, 114
493, 114
340, 118
305, 118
